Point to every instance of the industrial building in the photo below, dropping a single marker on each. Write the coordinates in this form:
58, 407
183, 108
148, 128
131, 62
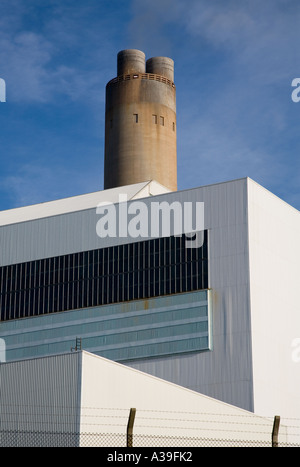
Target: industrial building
218, 317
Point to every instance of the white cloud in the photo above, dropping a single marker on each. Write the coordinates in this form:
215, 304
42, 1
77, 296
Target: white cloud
43, 64
258, 37
24, 59
239, 123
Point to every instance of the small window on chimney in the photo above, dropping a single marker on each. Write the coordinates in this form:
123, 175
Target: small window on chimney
136, 118
162, 120
154, 119
173, 126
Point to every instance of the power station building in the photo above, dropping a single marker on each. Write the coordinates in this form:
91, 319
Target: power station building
220, 316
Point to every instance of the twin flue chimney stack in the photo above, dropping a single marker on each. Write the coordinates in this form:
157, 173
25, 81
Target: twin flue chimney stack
140, 122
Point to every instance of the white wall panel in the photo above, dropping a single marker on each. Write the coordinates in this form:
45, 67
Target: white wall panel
162, 409
274, 232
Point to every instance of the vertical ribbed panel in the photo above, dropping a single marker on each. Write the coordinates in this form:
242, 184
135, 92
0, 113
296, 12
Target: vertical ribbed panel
41, 396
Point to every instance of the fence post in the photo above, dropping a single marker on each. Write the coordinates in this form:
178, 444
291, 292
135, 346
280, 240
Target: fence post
130, 428
275, 431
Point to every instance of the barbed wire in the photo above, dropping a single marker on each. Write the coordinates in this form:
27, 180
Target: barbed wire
74, 407
26, 415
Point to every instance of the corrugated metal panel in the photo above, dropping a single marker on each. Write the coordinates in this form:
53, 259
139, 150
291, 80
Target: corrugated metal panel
41, 395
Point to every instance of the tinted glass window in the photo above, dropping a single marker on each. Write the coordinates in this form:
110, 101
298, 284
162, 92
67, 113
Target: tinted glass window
144, 269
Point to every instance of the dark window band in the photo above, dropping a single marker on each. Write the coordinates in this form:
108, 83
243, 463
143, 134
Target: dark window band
140, 270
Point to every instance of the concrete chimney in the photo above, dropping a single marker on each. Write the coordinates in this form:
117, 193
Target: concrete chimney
140, 122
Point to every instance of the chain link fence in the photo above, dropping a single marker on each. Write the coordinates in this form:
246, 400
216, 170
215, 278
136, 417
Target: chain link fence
62, 426
119, 440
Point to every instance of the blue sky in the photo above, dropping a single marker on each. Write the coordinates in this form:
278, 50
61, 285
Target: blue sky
234, 64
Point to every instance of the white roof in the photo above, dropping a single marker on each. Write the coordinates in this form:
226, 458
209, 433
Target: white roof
81, 202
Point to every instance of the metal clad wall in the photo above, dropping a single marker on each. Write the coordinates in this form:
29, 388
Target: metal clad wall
226, 372
49, 237
41, 395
